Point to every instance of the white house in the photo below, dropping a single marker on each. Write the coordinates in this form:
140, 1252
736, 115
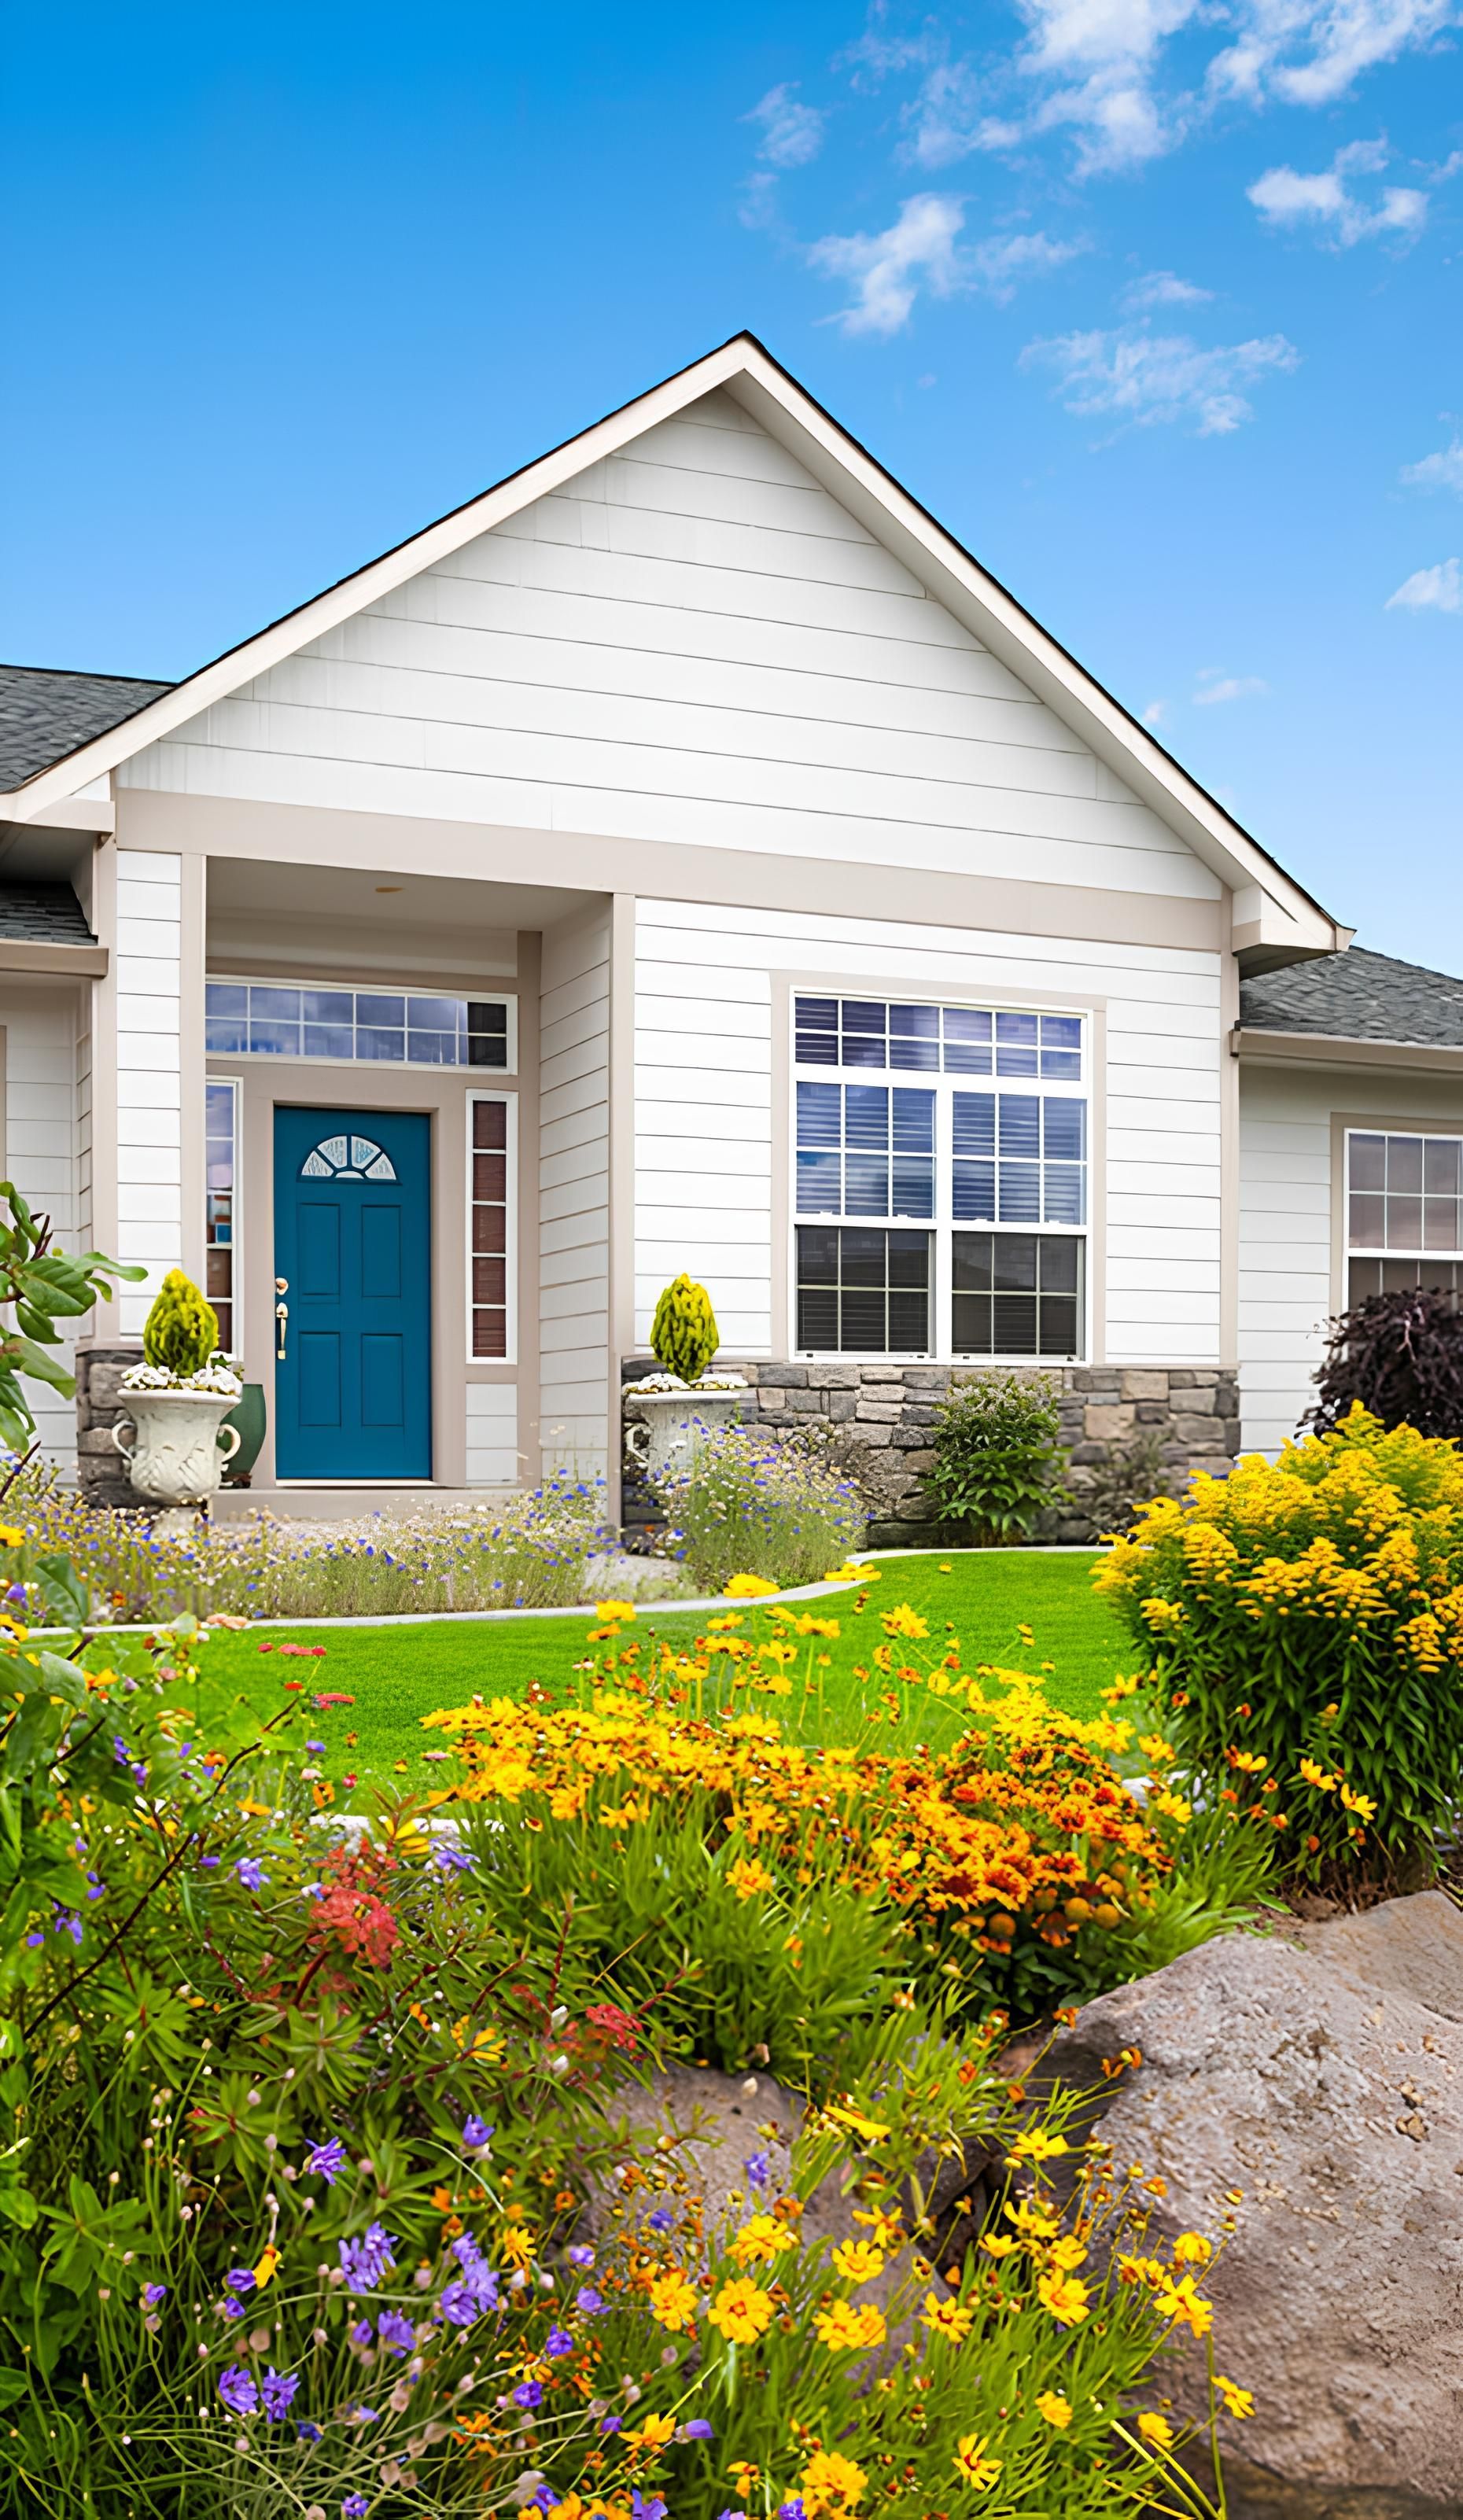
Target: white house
686, 856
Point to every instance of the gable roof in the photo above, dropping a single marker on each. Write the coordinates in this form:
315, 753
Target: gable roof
42, 914
1357, 996
1274, 919
47, 713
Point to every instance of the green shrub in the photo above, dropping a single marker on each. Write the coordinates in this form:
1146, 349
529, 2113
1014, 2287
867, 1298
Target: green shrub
43, 1285
750, 1505
1304, 1622
181, 1332
996, 1456
684, 1336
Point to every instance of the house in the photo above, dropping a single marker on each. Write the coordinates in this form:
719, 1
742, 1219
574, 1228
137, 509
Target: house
686, 856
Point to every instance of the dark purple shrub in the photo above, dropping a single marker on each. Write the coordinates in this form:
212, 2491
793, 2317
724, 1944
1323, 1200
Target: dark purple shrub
1401, 1356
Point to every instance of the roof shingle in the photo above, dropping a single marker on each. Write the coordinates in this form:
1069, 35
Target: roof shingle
1357, 996
42, 914
45, 713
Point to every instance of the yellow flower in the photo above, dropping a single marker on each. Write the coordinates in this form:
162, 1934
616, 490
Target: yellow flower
1036, 2145
869, 2127
1317, 1776
1054, 2409
973, 2466
1185, 2307
843, 2328
1066, 2297
1068, 2252
1192, 2249
1157, 2433
10, 1537
747, 1588
614, 1609
1239, 2400
831, 2484
1362, 1804
903, 1621
264, 2271
762, 2238
652, 2433
944, 2317
999, 2245
518, 2247
858, 2261
883, 2225
742, 2311
672, 2299
747, 1877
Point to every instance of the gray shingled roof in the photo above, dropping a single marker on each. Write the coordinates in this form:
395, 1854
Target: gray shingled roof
46, 713
43, 913
1357, 996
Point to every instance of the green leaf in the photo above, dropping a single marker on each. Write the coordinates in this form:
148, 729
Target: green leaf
33, 1360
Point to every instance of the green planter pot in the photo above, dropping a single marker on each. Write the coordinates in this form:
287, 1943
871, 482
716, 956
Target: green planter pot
250, 1418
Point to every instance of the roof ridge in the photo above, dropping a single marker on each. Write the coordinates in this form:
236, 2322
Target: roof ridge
90, 674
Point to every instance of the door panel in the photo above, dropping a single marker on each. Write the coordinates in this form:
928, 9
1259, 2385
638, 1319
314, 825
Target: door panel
353, 1238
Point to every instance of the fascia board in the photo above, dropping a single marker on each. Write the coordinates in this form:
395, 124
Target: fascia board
1341, 1050
993, 617
351, 594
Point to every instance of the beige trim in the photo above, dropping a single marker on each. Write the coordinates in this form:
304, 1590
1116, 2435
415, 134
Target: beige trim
670, 870
621, 1219
1406, 1125
5, 1105
53, 962
104, 1166
445, 980
1097, 1186
1229, 1166
1336, 1049
772, 397
191, 1080
528, 1369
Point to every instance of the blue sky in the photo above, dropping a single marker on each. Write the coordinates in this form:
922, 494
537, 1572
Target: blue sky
1154, 303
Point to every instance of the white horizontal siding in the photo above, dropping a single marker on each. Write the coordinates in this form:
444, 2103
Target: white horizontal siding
705, 1120
690, 643
574, 1195
149, 1072
491, 1409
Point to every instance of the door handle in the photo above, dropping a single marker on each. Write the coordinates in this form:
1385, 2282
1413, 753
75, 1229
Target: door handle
281, 1317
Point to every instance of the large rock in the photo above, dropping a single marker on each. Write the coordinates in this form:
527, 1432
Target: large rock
1320, 2070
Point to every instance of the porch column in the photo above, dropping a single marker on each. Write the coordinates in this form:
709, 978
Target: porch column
158, 964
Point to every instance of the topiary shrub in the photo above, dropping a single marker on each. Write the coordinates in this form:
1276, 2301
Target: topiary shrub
684, 1336
996, 1455
1401, 1356
1304, 1619
181, 1332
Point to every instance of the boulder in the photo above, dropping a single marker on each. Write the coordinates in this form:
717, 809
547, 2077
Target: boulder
1319, 2068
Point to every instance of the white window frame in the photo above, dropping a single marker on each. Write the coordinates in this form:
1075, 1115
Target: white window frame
1380, 1251
235, 1085
371, 988
509, 1223
942, 1227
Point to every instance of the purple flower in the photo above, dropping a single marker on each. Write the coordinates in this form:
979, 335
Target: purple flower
646, 2506
326, 2161
64, 1922
367, 2259
579, 2256
592, 2303
729, 2514
475, 2133
152, 2294
557, 2342
119, 1750
613, 2425
394, 2332
308, 2432
237, 2389
240, 2280
661, 2220
366, 2416
34, 1942
208, 1863
314, 1745
449, 1856
14, 1593
479, 2277
794, 2509
698, 2429
360, 2333
251, 1871
458, 2303
758, 2169
528, 2393
354, 2508
277, 2389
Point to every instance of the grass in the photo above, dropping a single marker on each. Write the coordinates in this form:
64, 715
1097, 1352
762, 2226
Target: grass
398, 1675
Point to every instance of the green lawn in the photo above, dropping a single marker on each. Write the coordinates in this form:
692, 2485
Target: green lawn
398, 1675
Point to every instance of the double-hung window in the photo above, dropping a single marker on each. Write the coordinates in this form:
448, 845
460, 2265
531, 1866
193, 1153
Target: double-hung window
940, 1195
1405, 1211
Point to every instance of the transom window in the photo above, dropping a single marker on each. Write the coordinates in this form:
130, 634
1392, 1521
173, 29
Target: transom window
349, 1159
1405, 1211
888, 1176
387, 1027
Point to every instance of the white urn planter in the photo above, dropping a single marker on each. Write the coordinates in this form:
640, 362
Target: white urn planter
179, 1445
667, 1428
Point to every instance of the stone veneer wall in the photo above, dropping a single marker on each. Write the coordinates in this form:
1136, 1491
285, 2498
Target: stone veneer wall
1194, 1410
101, 1471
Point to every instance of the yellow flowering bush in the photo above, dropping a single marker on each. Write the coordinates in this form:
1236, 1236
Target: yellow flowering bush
1304, 1622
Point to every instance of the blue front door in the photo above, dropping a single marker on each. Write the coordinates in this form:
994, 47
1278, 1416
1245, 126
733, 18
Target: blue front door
352, 1243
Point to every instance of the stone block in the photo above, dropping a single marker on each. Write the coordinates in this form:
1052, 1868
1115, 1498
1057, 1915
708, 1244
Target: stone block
1199, 1400
1226, 1400
878, 1413
1107, 1423
869, 1432
97, 1441
919, 1461
1082, 1456
833, 1377
881, 1374
1094, 1377
1151, 1413
1143, 1383
1180, 1378
792, 1377
770, 1396
926, 1377
104, 1385
842, 1406
1198, 1432
805, 1404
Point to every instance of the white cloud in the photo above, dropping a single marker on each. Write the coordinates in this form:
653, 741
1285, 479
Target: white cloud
1143, 378
1156, 714
1440, 472
1287, 199
1000, 263
1310, 51
791, 133
1430, 590
888, 270
1213, 687
1162, 289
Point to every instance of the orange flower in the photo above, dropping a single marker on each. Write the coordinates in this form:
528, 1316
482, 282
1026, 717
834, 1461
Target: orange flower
742, 2311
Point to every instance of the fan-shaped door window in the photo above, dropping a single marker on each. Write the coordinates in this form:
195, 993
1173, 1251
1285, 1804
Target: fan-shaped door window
349, 1159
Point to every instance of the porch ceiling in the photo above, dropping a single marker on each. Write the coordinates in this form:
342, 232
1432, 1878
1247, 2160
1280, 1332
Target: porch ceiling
268, 917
